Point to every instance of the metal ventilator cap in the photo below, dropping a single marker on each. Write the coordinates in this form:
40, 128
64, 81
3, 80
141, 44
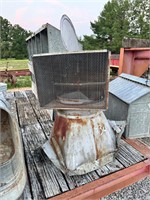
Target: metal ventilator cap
68, 34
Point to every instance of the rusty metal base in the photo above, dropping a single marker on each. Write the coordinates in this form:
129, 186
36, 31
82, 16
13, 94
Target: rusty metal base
81, 142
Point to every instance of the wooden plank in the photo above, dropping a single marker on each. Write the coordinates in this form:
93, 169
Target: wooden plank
51, 179
131, 155
41, 114
47, 127
110, 168
25, 114
57, 173
136, 152
114, 166
35, 162
140, 146
81, 180
35, 183
125, 162
145, 141
21, 95
69, 181
93, 175
103, 171
127, 155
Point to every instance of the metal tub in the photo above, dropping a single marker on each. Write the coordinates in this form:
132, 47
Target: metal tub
12, 168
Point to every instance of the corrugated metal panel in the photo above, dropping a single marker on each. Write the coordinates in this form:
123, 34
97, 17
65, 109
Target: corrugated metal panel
136, 79
127, 88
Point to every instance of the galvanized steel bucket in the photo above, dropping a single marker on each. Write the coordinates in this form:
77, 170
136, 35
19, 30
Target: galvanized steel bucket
12, 167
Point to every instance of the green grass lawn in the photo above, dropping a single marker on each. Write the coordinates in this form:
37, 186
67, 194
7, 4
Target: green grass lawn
13, 64
22, 81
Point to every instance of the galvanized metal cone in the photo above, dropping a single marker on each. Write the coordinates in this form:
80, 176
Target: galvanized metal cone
81, 141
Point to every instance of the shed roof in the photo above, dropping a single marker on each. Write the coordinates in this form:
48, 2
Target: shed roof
129, 88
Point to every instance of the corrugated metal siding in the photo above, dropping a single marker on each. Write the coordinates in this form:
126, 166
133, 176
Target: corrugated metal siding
136, 79
138, 118
117, 109
128, 90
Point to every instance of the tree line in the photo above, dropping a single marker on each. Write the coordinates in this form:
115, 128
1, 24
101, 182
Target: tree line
118, 19
13, 40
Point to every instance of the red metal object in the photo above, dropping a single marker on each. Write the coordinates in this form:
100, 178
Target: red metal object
22, 72
114, 60
111, 183
134, 61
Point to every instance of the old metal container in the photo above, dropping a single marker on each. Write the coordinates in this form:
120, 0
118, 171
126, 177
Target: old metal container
12, 168
81, 141
129, 100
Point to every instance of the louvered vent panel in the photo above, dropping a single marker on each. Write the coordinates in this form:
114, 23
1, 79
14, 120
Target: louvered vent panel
72, 80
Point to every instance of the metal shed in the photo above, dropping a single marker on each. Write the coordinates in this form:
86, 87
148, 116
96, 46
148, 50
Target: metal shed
129, 99
47, 39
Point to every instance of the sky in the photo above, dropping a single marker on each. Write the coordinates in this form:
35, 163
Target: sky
32, 14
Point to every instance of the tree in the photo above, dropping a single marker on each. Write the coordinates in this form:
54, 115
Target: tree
139, 17
13, 40
90, 42
19, 47
6, 38
119, 19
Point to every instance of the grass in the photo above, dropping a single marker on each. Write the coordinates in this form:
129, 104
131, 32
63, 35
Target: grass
22, 81
13, 64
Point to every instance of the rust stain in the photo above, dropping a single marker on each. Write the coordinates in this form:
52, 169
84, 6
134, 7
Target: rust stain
61, 126
92, 125
78, 121
95, 140
101, 127
99, 152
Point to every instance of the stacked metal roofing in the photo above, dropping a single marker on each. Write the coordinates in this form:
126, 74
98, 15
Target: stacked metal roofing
129, 88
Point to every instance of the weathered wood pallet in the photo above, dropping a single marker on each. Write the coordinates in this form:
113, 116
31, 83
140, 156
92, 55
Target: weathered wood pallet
44, 179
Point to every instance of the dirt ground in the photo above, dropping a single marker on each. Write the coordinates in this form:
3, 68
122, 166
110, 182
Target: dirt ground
19, 89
